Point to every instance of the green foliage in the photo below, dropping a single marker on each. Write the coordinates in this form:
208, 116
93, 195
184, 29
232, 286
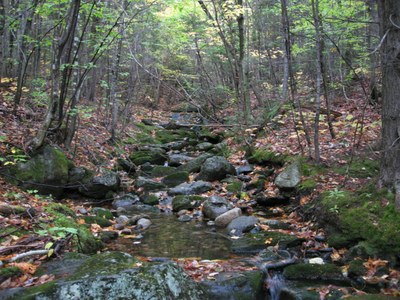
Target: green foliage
360, 168
265, 157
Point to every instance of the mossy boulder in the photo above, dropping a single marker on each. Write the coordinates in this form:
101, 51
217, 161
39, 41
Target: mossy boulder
175, 178
103, 222
357, 268
195, 164
148, 184
161, 171
46, 171
150, 199
326, 272
155, 156
216, 168
103, 213
186, 202
101, 186
255, 242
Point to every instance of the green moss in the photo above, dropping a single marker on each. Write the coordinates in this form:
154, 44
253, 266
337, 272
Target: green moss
8, 272
266, 157
235, 187
175, 178
360, 168
161, 171
313, 272
107, 263
153, 156
151, 200
59, 209
357, 268
103, 213
31, 293
97, 220
186, 202
11, 230
307, 186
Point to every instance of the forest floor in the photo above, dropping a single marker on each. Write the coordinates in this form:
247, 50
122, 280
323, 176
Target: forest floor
356, 125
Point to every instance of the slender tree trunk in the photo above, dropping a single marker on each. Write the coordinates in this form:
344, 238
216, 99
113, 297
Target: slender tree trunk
390, 163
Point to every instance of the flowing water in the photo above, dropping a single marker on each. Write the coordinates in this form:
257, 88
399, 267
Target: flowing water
167, 237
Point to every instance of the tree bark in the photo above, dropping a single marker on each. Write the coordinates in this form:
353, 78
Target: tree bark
390, 163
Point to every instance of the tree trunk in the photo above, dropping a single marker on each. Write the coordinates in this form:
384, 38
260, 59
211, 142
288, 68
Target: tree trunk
390, 163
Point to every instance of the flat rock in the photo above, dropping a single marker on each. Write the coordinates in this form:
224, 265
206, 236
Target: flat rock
215, 206
242, 224
289, 178
197, 187
224, 219
216, 168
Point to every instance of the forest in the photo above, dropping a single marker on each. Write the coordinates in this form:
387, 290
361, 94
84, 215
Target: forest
216, 149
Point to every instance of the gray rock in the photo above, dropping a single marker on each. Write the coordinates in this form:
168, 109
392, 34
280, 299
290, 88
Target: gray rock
175, 179
205, 146
197, 187
161, 171
100, 186
216, 206
78, 176
289, 178
176, 160
143, 223
123, 220
242, 224
265, 200
148, 184
126, 201
246, 169
276, 224
108, 236
188, 202
155, 156
185, 218
227, 217
126, 165
195, 164
177, 145
216, 168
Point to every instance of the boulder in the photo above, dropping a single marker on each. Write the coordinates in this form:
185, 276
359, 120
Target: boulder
126, 165
126, 201
148, 184
186, 202
46, 171
195, 164
143, 223
241, 225
175, 179
100, 186
205, 146
289, 178
216, 206
176, 160
216, 168
246, 169
224, 219
265, 200
306, 272
161, 171
156, 156
197, 187
78, 176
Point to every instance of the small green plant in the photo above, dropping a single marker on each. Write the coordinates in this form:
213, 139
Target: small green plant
15, 157
334, 209
336, 194
58, 232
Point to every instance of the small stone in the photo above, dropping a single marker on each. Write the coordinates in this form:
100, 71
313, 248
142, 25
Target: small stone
316, 260
211, 223
119, 226
126, 231
124, 220
143, 223
185, 218
82, 211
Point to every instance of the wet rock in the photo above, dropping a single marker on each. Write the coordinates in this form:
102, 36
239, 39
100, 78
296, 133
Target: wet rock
185, 218
276, 224
188, 202
148, 184
97, 220
103, 213
242, 225
150, 199
255, 242
123, 220
265, 200
246, 169
289, 178
224, 219
101, 186
205, 146
195, 164
327, 272
215, 206
235, 285
216, 168
176, 160
126, 201
142, 208
143, 223
175, 179
197, 187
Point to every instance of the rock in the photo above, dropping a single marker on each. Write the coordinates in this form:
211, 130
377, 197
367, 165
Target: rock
186, 202
327, 272
265, 200
110, 276
253, 243
316, 260
100, 186
150, 199
78, 176
148, 184
126, 165
46, 171
185, 218
235, 285
289, 178
276, 224
7, 210
216, 206
97, 220
103, 213
195, 164
224, 219
124, 220
216, 168
176, 160
197, 187
108, 236
175, 179
156, 156
143, 223
246, 169
241, 225
126, 201
205, 146
357, 268
176, 145
161, 171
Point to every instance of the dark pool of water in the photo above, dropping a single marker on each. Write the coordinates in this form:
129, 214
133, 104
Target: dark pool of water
167, 237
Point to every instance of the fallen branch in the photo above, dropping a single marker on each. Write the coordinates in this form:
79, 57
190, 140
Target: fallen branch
276, 265
22, 255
